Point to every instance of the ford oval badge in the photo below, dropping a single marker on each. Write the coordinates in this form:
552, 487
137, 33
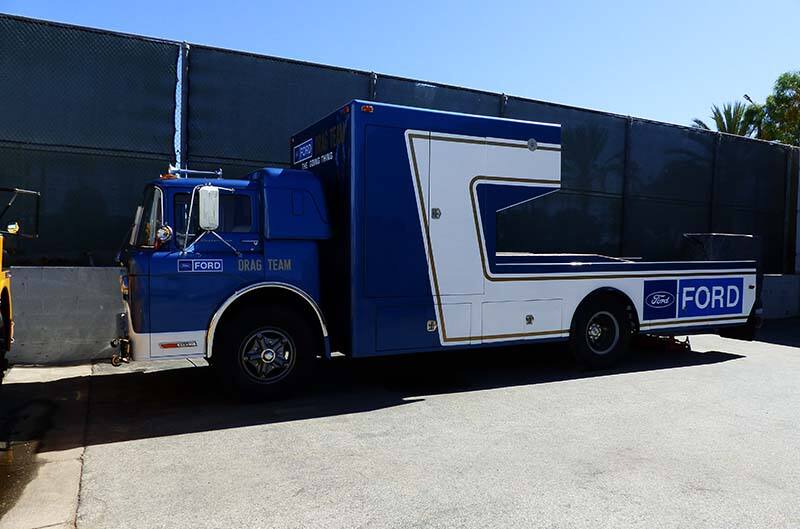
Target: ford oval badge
660, 300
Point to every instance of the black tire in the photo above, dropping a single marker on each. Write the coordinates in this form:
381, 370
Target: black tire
600, 333
265, 352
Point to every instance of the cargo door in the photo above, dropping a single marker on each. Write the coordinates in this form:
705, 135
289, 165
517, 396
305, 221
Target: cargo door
454, 249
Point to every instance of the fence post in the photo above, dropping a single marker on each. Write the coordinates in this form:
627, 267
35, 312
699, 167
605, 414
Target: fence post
791, 231
503, 105
714, 173
625, 170
183, 120
373, 86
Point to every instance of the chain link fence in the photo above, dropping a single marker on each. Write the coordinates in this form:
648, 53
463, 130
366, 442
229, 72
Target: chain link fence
89, 116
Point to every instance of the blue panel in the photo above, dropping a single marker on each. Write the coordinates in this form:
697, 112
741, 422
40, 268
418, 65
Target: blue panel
138, 268
659, 299
401, 327
296, 206
395, 263
710, 297
187, 289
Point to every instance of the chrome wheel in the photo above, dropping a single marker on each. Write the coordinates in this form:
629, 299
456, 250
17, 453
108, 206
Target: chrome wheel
267, 355
602, 333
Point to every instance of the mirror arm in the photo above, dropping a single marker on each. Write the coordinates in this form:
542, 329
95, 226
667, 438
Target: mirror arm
189, 224
191, 246
229, 245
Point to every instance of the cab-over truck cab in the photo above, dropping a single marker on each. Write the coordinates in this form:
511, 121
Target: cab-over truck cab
215, 265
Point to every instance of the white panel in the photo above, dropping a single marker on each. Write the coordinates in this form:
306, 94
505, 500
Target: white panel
509, 161
454, 242
510, 319
457, 324
140, 345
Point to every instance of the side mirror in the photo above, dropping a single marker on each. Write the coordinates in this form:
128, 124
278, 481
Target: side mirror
208, 207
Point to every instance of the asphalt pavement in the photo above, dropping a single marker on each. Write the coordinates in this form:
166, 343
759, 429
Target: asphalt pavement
702, 438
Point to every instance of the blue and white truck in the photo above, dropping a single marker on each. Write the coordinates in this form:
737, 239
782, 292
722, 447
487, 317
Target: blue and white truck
381, 239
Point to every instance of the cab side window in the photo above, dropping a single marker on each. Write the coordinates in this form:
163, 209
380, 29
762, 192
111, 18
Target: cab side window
235, 214
151, 219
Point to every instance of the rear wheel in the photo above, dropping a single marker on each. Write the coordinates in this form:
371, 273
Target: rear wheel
265, 352
600, 333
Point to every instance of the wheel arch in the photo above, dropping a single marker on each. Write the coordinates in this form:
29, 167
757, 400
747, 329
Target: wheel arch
268, 292
613, 293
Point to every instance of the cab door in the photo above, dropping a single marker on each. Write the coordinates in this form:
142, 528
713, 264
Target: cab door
196, 272
136, 256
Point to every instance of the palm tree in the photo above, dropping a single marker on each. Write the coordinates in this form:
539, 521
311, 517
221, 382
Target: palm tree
734, 118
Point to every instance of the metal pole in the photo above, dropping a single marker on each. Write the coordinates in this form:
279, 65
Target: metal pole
184, 110
714, 174
625, 171
373, 86
503, 105
791, 215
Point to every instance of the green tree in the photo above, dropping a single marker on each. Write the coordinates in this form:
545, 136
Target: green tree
782, 110
733, 118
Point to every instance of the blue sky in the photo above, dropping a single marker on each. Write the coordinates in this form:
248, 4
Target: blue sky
667, 61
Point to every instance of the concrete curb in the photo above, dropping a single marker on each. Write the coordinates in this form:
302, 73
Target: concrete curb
50, 498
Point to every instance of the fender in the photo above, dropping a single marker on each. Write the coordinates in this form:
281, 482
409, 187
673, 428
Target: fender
259, 286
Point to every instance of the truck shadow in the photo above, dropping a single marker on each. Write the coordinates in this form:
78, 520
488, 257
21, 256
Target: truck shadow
131, 405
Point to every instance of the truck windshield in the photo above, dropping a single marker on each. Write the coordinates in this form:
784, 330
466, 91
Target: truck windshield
151, 219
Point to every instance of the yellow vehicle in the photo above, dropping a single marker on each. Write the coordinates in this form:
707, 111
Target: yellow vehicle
6, 313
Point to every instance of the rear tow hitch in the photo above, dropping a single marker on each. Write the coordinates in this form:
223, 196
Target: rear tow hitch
121, 344
123, 354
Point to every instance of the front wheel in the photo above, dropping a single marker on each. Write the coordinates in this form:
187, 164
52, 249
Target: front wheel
265, 352
600, 333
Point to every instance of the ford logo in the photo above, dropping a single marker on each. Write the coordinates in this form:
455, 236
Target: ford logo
660, 300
